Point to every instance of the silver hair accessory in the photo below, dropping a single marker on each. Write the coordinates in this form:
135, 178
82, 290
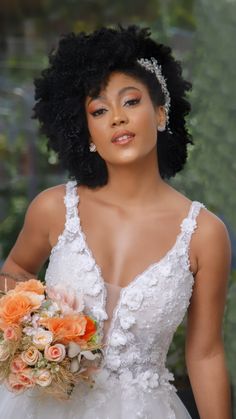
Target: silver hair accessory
153, 66
92, 147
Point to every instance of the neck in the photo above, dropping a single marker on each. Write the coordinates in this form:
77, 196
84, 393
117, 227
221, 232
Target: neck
134, 183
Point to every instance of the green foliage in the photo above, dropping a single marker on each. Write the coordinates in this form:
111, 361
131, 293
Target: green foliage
211, 171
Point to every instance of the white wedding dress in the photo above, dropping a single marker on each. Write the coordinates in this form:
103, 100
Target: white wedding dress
137, 322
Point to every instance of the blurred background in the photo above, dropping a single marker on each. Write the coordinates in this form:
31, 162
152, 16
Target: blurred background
202, 34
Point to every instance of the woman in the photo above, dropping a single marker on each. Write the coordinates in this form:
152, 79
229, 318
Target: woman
113, 105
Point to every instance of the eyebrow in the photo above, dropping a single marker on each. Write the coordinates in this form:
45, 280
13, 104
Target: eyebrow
121, 91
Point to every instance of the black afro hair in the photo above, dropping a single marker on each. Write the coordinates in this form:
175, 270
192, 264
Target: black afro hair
80, 66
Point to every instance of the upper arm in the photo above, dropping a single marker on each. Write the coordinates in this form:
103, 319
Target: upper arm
206, 310
32, 246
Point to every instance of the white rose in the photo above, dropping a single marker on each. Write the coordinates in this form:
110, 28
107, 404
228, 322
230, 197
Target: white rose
42, 338
43, 378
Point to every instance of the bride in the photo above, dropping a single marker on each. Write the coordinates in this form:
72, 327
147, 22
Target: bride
113, 105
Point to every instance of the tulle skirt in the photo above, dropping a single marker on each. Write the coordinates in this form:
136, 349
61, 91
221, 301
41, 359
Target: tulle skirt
95, 403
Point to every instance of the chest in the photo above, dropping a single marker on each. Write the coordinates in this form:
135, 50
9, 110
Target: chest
124, 245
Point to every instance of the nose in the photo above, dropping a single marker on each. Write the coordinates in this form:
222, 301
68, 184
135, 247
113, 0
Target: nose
119, 118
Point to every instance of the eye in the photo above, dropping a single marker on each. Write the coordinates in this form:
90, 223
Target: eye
132, 101
98, 112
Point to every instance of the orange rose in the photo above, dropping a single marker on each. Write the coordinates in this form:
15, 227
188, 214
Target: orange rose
13, 307
67, 329
90, 329
32, 285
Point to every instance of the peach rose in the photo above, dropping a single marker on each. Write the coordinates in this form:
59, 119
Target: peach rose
42, 338
12, 332
32, 285
67, 329
13, 307
17, 364
30, 356
55, 352
26, 378
43, 378
13, 384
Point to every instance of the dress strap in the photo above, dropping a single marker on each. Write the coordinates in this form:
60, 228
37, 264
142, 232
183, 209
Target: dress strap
71, 200
189, 224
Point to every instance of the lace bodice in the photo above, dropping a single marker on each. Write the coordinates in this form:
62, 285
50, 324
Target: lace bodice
145, 314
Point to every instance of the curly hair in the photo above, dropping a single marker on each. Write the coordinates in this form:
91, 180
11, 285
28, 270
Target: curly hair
80, 67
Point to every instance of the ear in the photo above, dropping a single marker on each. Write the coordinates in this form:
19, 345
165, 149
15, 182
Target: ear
161, 116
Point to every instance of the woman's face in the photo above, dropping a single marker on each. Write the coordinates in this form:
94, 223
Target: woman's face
122, 120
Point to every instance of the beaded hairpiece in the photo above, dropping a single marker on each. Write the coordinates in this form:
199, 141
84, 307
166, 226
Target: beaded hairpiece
153, 66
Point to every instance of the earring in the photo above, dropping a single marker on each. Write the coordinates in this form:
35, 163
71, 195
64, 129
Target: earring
161, 128
92, 147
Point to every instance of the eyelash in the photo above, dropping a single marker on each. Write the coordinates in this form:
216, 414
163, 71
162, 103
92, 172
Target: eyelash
97, 112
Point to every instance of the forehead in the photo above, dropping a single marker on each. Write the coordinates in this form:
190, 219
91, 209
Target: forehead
117, 83
117, 77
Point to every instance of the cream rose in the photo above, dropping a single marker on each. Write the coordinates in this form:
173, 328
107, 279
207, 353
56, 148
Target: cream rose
55, 352
17, 364
43, 378
30, 356
42, 338
35, 299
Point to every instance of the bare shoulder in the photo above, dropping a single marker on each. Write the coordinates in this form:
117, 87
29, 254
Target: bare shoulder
211, 228
46, 205
211, 242
48, 199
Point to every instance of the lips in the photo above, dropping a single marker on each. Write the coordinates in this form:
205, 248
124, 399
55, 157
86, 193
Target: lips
122, 135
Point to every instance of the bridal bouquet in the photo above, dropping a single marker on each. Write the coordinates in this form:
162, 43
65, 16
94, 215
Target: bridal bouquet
46, 340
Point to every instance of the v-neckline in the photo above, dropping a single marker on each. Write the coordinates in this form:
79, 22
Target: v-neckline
142, 273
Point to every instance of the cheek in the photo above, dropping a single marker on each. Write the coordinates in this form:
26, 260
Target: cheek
147, 123
96, 127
